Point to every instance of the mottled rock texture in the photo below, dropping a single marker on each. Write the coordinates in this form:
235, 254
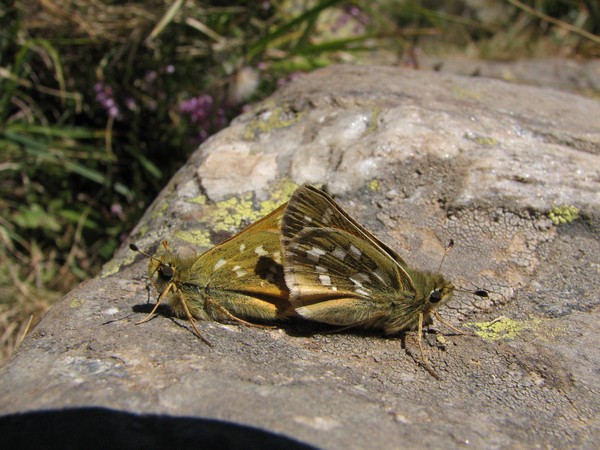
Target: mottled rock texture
419, 158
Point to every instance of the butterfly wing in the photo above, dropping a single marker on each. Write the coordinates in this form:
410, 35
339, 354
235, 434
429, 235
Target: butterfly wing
326, 263
243, 274
335, 278
311, 207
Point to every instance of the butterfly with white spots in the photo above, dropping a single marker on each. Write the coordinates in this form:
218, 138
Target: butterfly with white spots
238, 280
338, 273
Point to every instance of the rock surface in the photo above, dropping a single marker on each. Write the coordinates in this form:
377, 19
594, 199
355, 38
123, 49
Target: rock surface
559, 73
419, 158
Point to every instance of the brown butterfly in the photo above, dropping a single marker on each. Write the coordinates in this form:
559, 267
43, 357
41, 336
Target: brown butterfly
339, 273
238, 280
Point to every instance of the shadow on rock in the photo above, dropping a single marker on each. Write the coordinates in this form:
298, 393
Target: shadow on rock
91, 428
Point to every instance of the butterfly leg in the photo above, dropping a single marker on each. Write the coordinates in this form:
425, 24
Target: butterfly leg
446, 323
192, 321
423, 357
160, 299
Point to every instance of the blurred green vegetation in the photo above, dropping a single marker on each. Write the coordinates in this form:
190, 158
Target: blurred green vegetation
101, 101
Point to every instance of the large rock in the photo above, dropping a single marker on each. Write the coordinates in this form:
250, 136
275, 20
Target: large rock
419, 158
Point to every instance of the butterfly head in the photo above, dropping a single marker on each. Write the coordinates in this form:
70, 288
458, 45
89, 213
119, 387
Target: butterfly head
165, 278
162, 271
432, 288
170, 271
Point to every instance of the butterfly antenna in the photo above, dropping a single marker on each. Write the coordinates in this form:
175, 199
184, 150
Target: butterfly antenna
446, 251
135, 248
478, 292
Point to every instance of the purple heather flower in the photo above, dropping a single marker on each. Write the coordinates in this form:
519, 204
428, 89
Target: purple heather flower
104, 96
150, 76
131, 104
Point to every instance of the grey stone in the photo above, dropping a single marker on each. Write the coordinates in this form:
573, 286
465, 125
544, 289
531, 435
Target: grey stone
419, 158
559, 73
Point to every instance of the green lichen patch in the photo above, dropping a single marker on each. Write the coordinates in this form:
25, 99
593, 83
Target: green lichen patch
199, 238
228, 215
374, 185
279, 194
563, 214
114, 265
76, 303
199, 200
486, 141
142, 231
276, 118
373, 123
502, 328
160, 210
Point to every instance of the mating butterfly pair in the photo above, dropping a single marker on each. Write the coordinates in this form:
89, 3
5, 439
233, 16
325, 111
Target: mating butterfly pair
307, 258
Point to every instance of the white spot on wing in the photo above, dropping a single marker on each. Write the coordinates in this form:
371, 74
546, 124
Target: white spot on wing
362, 277
242, 247
277, 257
339, 253
363, 292
355, 251
220, 263
239, 271
325, 280
315, 253
381, 276
356, 281
321, 269
260, 251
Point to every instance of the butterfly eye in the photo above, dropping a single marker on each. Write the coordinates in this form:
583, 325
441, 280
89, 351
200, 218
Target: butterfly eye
435, 296
165, 272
